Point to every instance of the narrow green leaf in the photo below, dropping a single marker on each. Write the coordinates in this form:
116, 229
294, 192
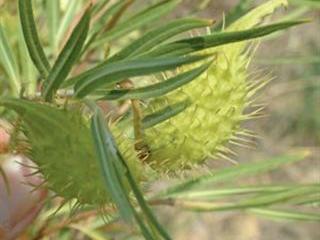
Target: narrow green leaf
100, 24
108, 152
142, 202
292, 15
262, 200
53, 20
311, 199
286, 214
68, 56
164, 114
114, 169
225, 192
107, 156
194, 44
277, 197
28, 73
108, 74
67, 19
159, 35
32, 39
144, 17
238, 11
231, 173
9, 63
99, 5
144, 230
104, 20
155, 90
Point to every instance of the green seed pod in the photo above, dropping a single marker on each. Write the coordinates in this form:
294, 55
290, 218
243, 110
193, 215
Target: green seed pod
62, 146
218, 99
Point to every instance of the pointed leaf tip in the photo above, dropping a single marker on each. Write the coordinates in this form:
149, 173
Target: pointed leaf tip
68, 56
31, 37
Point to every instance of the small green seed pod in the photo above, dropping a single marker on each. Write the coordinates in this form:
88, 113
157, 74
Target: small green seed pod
62, 146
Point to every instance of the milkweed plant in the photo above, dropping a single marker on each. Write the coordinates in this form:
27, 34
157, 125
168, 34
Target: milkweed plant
105, 100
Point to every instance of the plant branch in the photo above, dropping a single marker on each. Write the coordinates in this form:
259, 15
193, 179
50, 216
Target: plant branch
140, 145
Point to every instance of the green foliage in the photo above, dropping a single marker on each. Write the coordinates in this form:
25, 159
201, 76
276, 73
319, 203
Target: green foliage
230, 174
158, 89
157, 36
194, 44
31, 37
113, 167
165, 113
53, 11
109, 74
145, 16
66, 21
68, 57
9, 62
205, 194
112, 170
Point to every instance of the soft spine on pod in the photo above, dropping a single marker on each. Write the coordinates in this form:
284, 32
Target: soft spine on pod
62, 147
218, 99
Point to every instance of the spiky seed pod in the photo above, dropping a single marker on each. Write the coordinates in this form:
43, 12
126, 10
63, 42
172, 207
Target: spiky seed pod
62, 147
218, 99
